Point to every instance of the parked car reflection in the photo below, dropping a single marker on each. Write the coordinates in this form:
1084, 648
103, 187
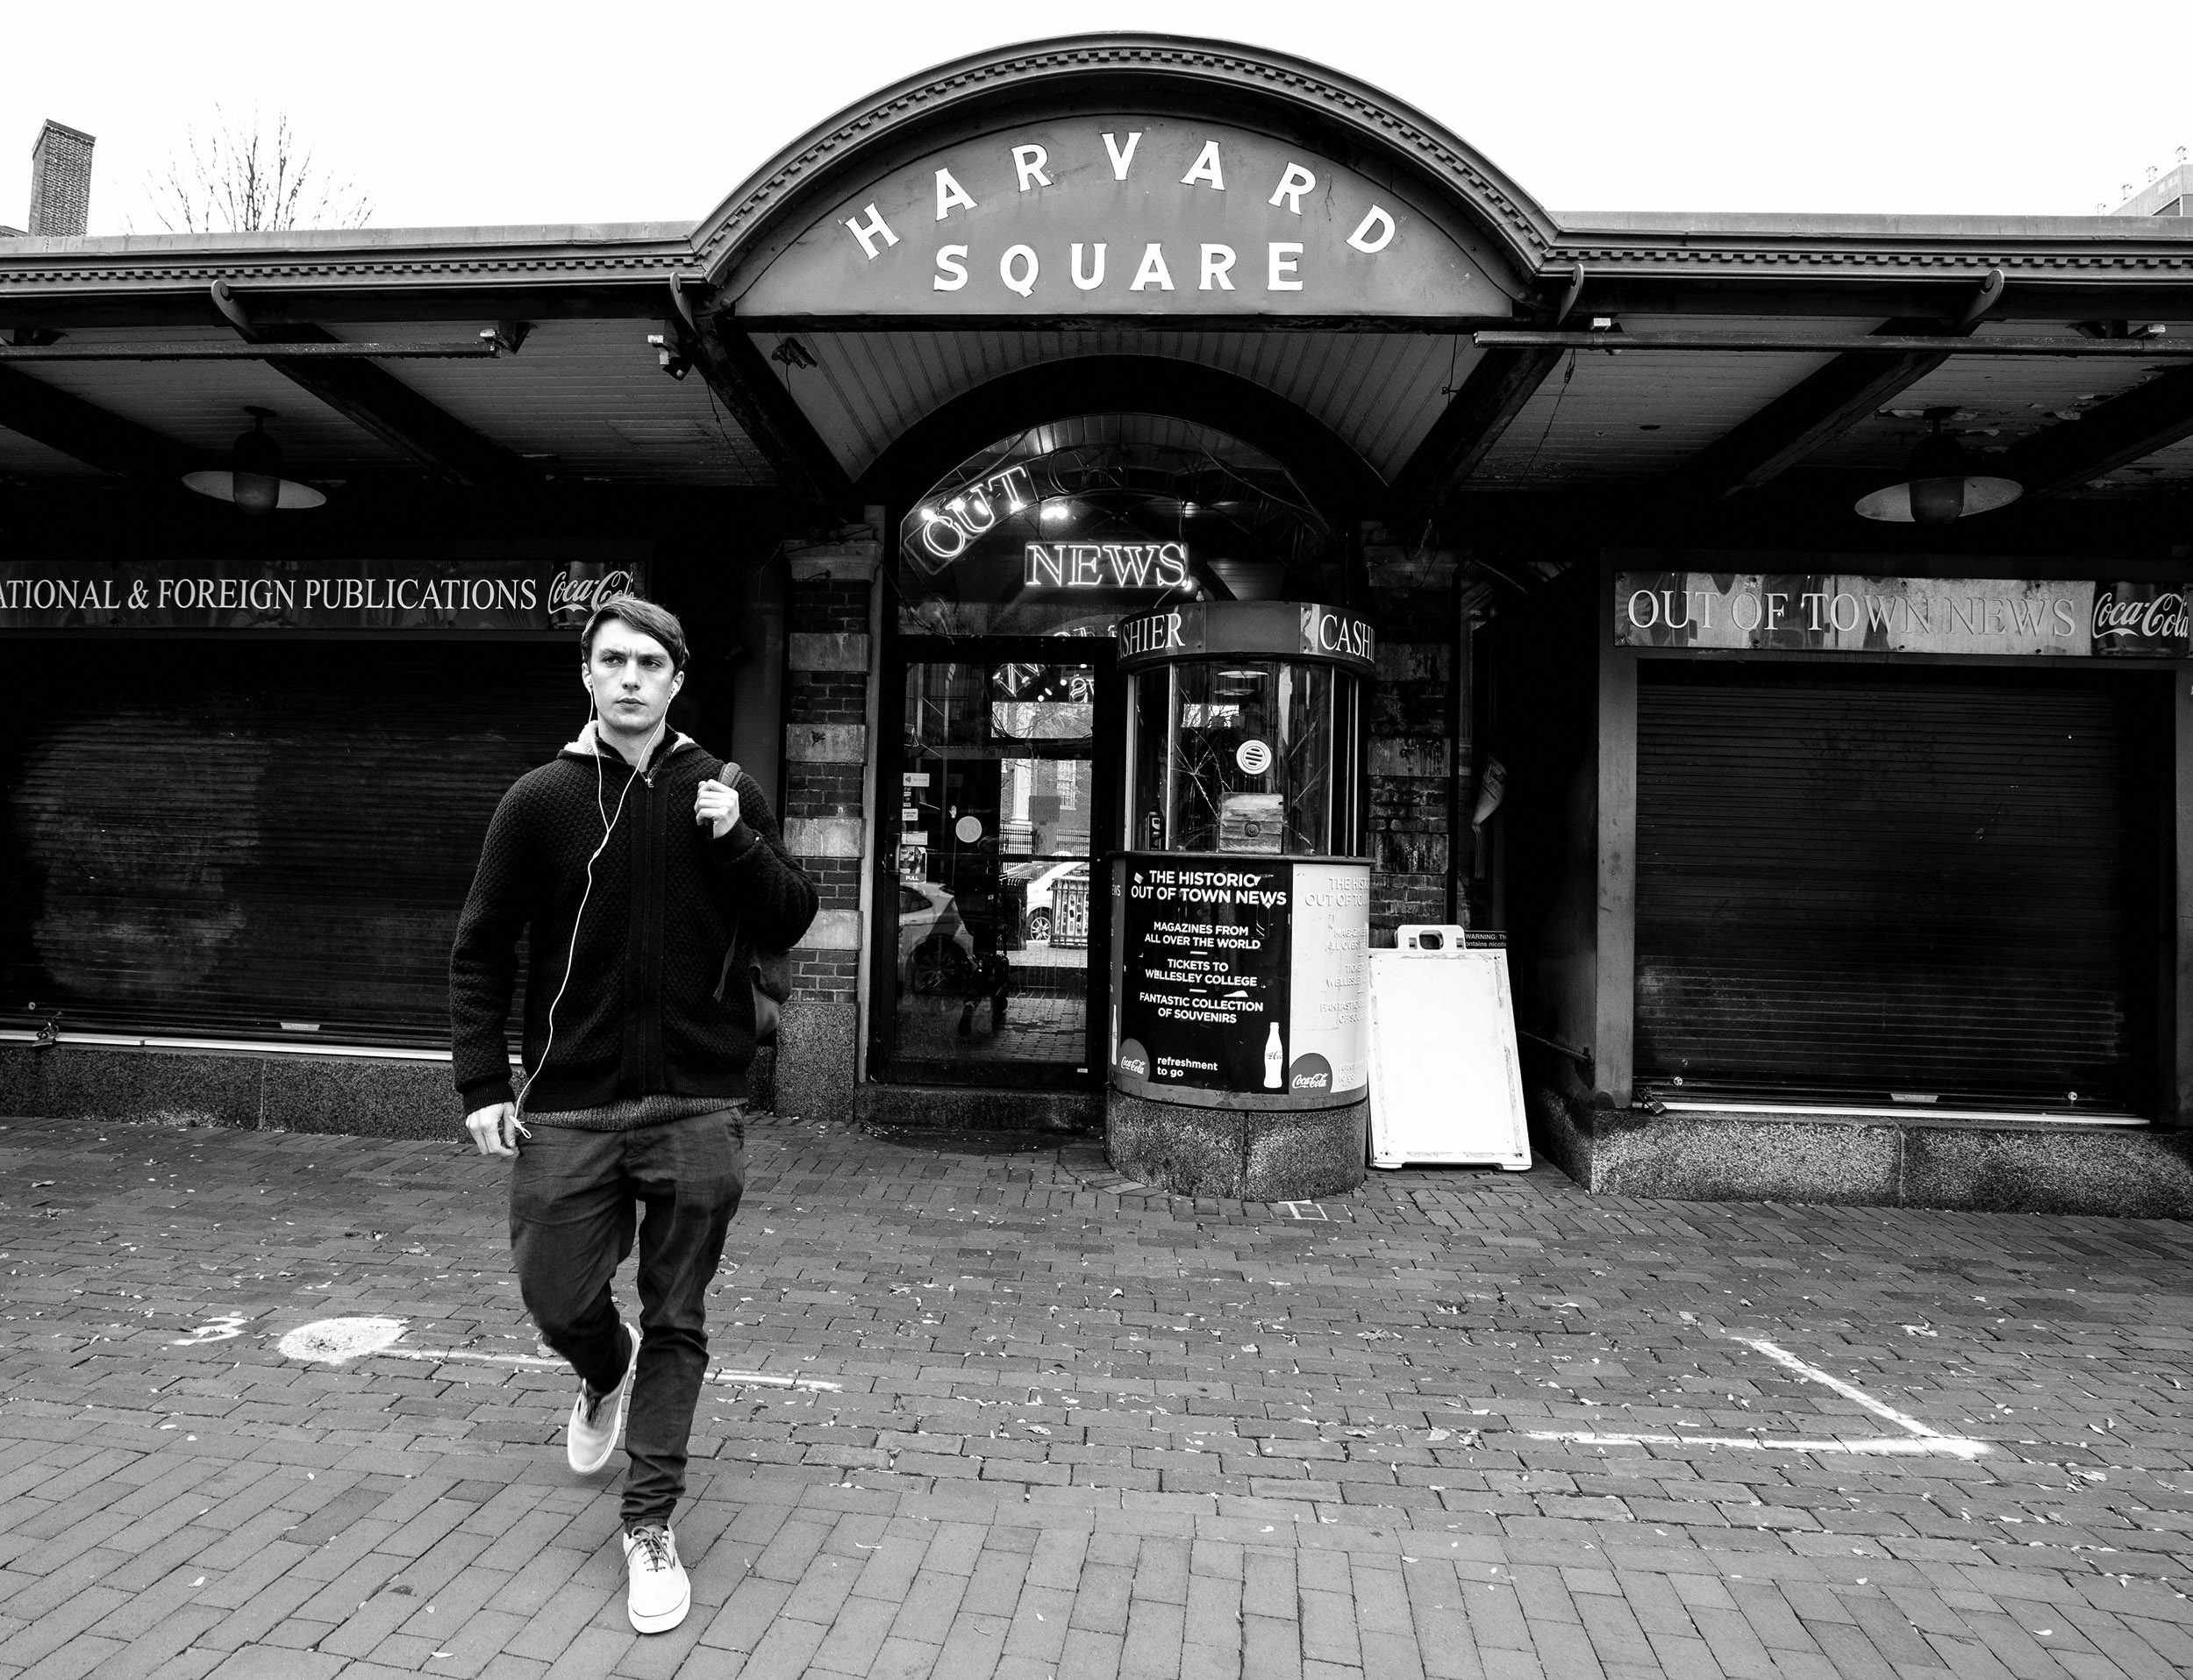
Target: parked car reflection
936, 953
1039, 915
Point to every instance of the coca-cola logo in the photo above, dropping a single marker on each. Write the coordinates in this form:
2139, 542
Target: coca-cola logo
570, 597
2164, 618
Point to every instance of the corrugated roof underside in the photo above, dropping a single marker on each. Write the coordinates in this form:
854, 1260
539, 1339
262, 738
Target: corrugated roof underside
30, 458
1378, 391
1603, 416
589, 399
1999, 403
201, 403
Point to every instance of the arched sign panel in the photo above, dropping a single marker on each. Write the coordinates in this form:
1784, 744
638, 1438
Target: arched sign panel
1124, 216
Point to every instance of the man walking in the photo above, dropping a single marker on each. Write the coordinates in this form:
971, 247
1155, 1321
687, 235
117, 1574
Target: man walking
634, 868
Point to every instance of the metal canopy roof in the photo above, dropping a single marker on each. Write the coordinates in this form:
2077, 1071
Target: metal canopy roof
577, 390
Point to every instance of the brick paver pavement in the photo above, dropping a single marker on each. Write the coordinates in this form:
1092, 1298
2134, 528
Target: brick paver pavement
1084, 1430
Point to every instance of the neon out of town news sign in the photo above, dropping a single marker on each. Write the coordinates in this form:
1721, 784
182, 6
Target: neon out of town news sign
950, 525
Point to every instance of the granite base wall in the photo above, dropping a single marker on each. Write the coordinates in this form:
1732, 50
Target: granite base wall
368, 1097
817, 1057
358, 1096
1963, 1167
1252, 1155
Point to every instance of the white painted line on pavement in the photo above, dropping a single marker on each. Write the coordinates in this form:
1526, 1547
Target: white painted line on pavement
228, 1324
1884, 1446
336, 1341
1848, 1390
1919, 1438
772, 1380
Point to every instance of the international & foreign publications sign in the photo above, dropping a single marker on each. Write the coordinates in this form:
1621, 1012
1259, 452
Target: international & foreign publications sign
357, 595
1768, 612
1240, 984
1108, 215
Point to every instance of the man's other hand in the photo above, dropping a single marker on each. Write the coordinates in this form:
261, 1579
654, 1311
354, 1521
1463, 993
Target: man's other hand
718, 806
495, 1128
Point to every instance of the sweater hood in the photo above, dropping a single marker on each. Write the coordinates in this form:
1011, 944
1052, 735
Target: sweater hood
589, 744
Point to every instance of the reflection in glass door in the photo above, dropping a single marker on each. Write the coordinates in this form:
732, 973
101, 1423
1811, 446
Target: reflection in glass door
989, 856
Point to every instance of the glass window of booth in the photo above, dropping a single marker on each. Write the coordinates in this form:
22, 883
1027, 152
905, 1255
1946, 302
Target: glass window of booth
1244, 755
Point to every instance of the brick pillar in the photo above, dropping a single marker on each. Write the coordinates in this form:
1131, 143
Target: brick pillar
1413, 758
828, 771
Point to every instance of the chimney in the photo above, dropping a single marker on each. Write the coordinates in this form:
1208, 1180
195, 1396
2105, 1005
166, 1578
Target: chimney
61, 182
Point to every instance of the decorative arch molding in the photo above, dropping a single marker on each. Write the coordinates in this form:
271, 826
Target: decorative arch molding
1339, 483
1289, 100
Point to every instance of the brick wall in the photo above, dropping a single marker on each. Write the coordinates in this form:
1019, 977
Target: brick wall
831, 606
826, 750
822, 790
825, 977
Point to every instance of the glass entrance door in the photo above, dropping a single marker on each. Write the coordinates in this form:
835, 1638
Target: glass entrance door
994, 972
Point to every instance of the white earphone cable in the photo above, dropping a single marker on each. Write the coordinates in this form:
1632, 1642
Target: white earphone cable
608, 826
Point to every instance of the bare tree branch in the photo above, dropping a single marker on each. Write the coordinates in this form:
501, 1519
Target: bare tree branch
238, 178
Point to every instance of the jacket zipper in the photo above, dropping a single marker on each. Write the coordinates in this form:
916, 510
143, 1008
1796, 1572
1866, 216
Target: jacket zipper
651, 1050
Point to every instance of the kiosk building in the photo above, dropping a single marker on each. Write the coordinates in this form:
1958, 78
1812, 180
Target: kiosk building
1838, 854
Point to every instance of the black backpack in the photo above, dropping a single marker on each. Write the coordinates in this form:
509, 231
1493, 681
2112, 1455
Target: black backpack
769, 973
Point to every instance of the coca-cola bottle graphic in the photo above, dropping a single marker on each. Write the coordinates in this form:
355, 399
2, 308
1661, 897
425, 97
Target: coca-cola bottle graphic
1274, 1059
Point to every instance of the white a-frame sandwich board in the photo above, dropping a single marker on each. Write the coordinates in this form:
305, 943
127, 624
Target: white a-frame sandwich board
1446, 1088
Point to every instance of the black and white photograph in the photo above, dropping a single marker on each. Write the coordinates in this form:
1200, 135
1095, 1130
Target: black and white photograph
1194, 841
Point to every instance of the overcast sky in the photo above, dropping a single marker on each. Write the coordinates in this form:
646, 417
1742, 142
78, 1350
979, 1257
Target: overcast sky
457, 113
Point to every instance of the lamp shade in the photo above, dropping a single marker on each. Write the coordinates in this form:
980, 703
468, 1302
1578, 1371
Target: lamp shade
254, 481
1938, 486
255, 471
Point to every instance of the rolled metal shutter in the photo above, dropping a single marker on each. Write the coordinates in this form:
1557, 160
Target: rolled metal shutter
216, 838
1860, 883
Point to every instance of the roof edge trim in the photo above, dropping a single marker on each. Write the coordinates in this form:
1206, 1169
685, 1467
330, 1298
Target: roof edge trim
1376, 116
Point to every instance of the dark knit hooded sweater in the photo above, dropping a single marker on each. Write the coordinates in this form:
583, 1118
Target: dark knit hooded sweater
639, 1016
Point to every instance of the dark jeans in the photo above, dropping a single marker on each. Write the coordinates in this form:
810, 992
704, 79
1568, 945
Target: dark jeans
572, 1223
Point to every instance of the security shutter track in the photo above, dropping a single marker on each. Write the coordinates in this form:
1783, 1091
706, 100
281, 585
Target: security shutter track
1863, 883
216, 838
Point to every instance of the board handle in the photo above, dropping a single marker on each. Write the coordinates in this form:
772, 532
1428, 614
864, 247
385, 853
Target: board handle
1429, 936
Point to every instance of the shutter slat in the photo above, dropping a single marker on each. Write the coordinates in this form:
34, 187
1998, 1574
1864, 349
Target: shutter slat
226, 835
1875, 881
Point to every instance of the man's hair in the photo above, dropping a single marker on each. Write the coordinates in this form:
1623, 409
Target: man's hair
643, 615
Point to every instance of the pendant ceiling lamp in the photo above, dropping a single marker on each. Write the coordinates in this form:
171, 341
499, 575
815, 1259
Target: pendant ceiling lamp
253, 480
1940, 485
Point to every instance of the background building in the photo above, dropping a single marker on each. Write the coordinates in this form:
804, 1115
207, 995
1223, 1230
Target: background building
1838, 857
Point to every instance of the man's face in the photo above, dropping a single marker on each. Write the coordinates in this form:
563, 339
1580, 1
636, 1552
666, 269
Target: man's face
631, 679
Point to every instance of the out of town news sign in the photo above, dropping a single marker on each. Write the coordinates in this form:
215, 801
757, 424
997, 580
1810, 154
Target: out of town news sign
1126, 215
1768, 612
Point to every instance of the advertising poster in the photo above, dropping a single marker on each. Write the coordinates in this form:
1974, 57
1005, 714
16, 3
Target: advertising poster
1329, 981
1241, 984
1202, 1000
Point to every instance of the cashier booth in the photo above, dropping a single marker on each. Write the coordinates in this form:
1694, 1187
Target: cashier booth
1239, 1053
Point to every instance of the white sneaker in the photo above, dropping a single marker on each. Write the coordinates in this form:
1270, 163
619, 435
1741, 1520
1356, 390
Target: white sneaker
598, 1420
658, 1594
